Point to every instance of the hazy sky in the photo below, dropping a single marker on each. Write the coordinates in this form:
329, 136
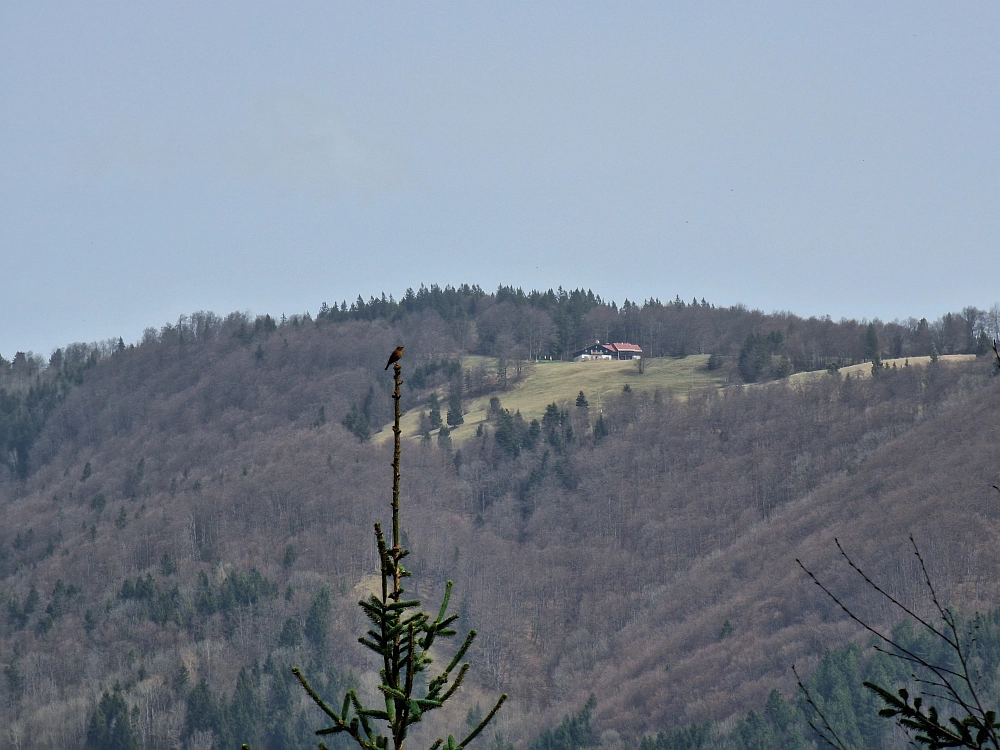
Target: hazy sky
162, 158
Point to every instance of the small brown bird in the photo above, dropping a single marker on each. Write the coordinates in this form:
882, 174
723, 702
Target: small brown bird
394, 357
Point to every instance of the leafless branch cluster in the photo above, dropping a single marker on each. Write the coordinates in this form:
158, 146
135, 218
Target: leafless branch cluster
970, 724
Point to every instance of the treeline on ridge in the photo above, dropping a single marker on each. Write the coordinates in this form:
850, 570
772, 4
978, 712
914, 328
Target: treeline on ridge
440, 324
555, 323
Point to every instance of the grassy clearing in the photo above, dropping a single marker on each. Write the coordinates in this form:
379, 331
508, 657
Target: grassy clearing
864, 369
546, 382
561, 382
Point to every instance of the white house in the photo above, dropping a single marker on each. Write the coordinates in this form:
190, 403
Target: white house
598, 350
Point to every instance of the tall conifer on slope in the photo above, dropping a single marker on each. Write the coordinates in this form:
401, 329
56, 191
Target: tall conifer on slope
110, 727
402, 635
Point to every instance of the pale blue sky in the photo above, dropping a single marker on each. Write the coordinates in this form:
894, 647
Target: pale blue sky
162, 158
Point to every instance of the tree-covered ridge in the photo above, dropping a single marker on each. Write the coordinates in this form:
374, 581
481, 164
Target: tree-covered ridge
442, 324
836, 689
218, 546
29, 392
554, 323
264, 706
215, 447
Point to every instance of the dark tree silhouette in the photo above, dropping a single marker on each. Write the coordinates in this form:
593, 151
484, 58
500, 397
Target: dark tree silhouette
402, 635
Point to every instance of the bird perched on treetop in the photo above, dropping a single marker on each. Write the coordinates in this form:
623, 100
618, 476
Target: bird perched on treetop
394, 357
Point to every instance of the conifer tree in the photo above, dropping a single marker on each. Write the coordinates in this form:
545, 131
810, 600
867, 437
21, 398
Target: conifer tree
600, 429
110, 727
454, 417
202, 709
573, 733
873, 350
356, 421
402, 635
318, 619
444, 438
435, 411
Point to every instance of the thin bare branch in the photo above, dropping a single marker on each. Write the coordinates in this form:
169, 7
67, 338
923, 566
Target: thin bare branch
889, 596
956, 688
839, 743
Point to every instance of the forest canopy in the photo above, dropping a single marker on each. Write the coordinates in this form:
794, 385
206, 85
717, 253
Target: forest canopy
189, 514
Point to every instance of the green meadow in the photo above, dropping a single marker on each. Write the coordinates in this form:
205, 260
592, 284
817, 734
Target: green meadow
864, 370
546, 382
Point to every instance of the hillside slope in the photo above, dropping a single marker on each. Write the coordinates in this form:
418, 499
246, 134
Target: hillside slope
934, 482
190, 499
548, 382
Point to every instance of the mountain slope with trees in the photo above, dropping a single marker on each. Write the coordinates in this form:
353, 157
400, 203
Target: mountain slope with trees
189, 516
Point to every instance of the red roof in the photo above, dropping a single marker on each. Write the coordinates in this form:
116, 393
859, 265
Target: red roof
609, 349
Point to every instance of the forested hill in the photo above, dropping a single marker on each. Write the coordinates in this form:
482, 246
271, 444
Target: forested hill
187, 516
554, 323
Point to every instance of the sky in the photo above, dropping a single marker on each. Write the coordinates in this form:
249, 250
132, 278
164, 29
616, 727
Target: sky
162, 158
